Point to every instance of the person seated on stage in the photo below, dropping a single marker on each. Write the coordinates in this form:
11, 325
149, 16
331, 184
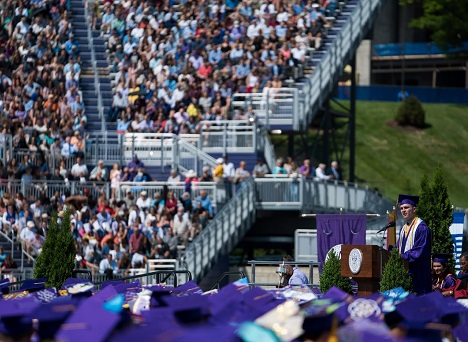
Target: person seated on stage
443, 279
461, 285
292, 274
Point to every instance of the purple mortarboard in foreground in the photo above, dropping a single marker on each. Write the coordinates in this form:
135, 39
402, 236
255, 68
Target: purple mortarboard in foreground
5, 286
461, 331
365, 330
90, 322
11, 312
194, 308
113, 283
258, 302
408, 199
207, 333
50, 316
70, 282
124, 287
32, 285
104, 295
337, 295
188, 288
17, 307
422, 309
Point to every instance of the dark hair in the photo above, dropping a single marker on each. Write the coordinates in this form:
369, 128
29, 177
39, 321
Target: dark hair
287, 258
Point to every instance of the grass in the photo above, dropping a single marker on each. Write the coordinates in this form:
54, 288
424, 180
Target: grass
391, 158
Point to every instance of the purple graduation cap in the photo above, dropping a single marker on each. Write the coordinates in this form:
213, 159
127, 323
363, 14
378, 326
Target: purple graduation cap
90, 322
408, 199
50, 316
5, 286
33, 285
11, 312
443, 258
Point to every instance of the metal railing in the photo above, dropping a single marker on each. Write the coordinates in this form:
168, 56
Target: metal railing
265, 148
37, 188
253, 263
321, 82
222, 233
275, 106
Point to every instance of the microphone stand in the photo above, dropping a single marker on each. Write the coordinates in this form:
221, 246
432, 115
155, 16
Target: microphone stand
381, 248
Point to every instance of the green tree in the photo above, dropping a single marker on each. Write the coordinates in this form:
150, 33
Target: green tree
57, 260
437, 213
331, 275
445, 19
395, 274
43, 261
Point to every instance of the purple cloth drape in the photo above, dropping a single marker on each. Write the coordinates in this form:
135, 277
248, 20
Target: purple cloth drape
337, 229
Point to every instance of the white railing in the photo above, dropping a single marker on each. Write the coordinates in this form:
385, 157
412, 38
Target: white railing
188, 157
266, 148
275, 106
223, 232
324, 77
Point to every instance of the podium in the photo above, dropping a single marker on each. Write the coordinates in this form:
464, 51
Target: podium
364, 263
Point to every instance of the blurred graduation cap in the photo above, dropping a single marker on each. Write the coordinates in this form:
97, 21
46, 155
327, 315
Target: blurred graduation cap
188, 310
5, 286
365, 330
408, 199
90, 322
251, 332
441, 257
50, 316
33, 285
189, 287
11, 312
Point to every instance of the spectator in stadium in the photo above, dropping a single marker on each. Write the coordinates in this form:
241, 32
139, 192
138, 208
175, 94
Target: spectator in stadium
228, 175
335, 171
279, 169
143, 202
173, 177
306, 169
205, 201
79, 171
108, 266
320, 172
241, 175
99, 173
260, 169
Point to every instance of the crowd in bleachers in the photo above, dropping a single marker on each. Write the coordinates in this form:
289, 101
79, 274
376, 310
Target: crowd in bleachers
131, 227
175, 65
40, 102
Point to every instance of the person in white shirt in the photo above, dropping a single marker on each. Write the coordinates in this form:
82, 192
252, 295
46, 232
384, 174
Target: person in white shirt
182, 225
27, 232
173, 177
108, 264
79, 170
228, 176
143, 202
298, 54
320, 172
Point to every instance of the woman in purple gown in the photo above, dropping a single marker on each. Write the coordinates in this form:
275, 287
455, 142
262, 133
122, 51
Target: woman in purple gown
443, 278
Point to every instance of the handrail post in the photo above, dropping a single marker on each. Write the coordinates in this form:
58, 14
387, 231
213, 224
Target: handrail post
162, 152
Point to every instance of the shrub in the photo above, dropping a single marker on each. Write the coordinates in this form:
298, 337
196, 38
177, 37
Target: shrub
331, 275
411, 113
395, 274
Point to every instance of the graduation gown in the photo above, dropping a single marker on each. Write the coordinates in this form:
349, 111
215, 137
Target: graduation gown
418, 256
461, 286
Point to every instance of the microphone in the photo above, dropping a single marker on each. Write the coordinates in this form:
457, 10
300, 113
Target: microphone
389, 225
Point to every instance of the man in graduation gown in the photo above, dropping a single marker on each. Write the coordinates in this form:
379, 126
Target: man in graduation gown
414, 244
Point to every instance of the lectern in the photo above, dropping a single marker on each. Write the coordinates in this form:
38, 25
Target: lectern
364, 263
